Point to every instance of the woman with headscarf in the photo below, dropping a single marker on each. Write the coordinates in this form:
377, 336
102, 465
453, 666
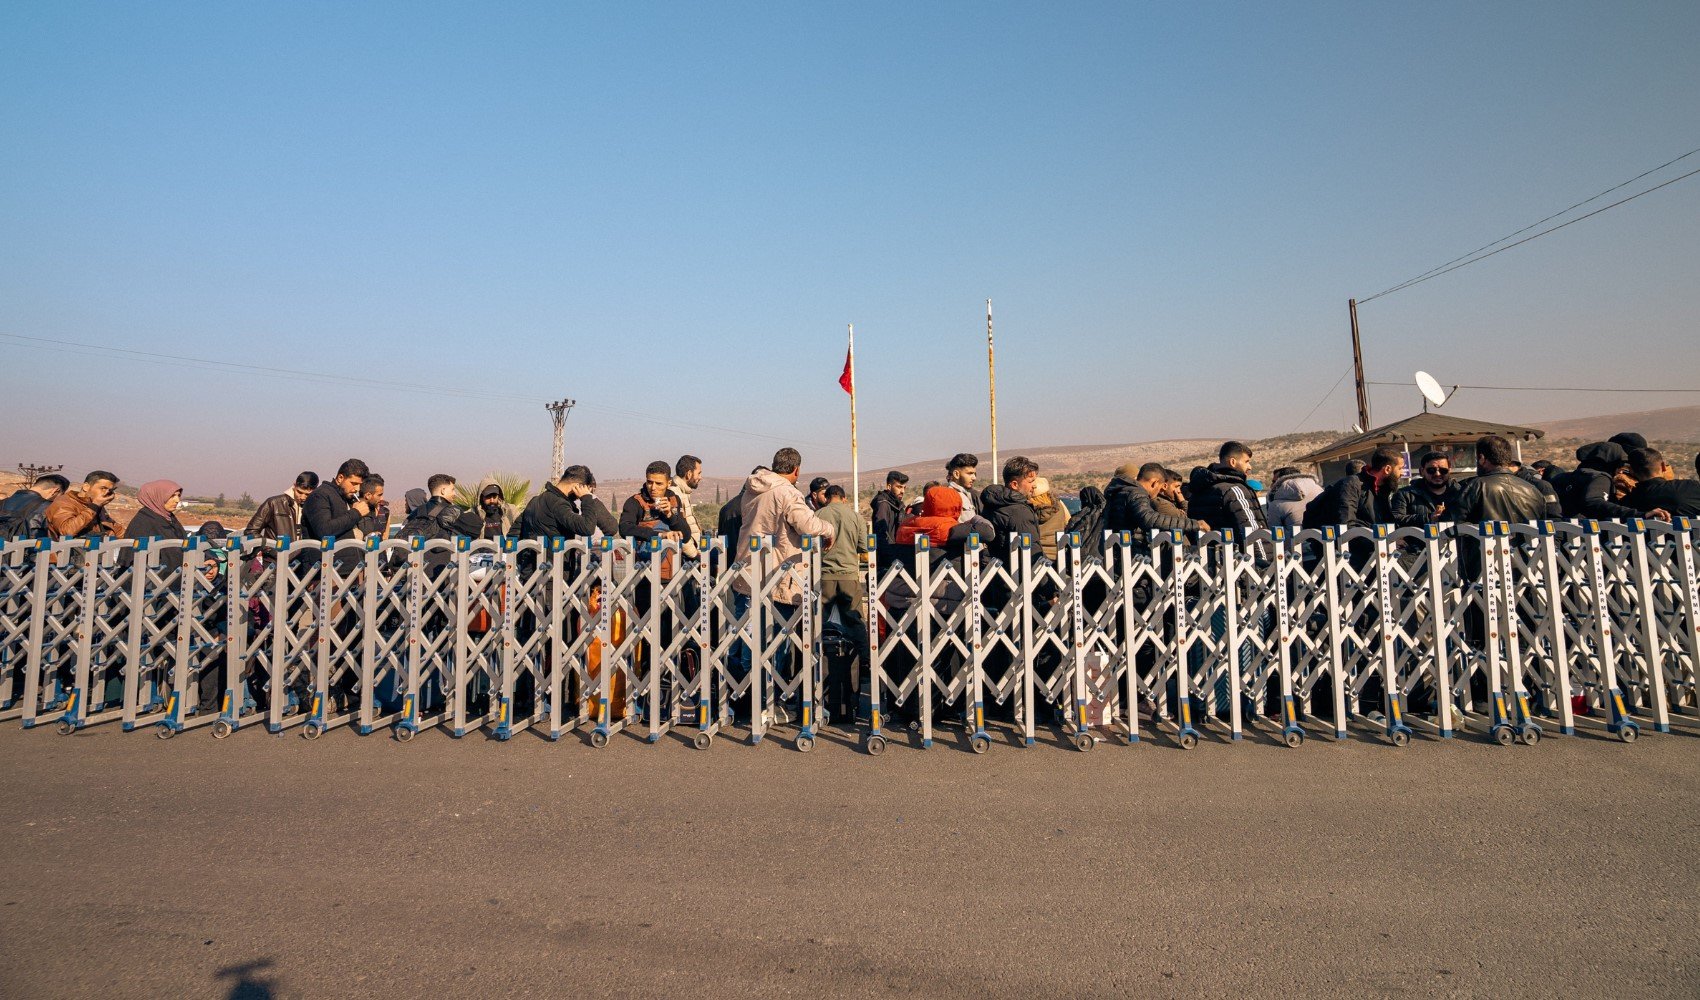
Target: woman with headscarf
158, 518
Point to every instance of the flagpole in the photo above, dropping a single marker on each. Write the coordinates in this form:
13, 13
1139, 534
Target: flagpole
992, 376
855, 459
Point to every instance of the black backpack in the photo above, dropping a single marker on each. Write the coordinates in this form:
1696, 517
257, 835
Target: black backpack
1090, 523
433, 519
23, 515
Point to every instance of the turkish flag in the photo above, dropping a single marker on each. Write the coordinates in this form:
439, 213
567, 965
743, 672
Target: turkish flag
844, 379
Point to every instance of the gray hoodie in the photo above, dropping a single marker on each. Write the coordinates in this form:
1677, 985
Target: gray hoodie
1287, 501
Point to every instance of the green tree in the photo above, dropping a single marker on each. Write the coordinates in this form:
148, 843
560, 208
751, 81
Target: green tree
246, 503
515, 491
218, 501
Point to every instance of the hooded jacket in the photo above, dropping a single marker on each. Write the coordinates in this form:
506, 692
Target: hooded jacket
1288, 500
507, 513
772, 505
1009, 514
1128, 507
1587, 491
1222, 499
940, 509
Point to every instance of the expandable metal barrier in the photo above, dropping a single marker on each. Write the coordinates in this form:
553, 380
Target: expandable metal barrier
1509, 628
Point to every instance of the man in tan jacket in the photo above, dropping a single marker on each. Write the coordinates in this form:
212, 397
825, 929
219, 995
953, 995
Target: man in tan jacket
773, 506
80, 512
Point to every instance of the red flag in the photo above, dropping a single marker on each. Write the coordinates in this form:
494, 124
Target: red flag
844, 379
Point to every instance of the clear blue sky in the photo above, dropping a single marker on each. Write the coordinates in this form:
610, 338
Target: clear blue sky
670, 212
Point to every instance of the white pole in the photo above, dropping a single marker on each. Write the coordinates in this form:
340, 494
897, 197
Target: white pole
855, 459
992, 376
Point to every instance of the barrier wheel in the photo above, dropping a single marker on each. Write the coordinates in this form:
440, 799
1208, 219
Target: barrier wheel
1401, 738
598, 739
702, 740
980, 744
1188, 740
1628, 733
914, 725
1294, 738
1504, 736
875, 745
66, 728
311, 731
1531, 736
222, 730
164, 733
1083, 742
405, 734
805, 744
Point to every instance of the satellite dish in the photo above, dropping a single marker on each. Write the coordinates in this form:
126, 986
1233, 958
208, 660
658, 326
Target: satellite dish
1430, 389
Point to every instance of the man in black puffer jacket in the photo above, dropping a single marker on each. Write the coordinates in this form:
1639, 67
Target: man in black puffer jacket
1005, 505
1221, 496
1129, 506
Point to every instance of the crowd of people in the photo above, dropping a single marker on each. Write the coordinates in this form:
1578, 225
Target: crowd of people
1615, 479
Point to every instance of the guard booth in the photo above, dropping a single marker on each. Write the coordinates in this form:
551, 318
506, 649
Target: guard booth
1417, 434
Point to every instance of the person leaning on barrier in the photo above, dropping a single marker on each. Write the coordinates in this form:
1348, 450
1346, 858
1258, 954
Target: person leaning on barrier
887, 511
1294, 489
772, 506
687, 476
959, 474
568, 508
280, 516
1430, 498
1588, 491
334, 509
440, 516
1221, 492
1624, 480
731, 522
24, 513
1130, 504
653, 511
1496, 493
1171, 499
80, 512
377, 519
1658, 489
1006, 505
157, 520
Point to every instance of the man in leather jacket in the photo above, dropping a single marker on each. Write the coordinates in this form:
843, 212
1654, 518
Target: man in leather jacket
1497, 493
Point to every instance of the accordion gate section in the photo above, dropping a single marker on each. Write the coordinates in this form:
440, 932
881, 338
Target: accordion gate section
1508, 629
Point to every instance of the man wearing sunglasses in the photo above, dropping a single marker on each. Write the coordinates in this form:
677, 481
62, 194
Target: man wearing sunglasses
1431, 498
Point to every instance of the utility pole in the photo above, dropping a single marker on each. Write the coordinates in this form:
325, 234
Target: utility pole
32, 472
992, 389
1358, 368
558, 457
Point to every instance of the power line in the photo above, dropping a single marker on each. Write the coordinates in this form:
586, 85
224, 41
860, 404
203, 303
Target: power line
359, 382
1324, 399
1472, 257
1552, 388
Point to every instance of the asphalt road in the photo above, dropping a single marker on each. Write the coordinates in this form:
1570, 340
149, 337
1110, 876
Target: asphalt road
270, 866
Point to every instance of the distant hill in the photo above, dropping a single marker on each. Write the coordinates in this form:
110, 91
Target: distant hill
1678, 423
